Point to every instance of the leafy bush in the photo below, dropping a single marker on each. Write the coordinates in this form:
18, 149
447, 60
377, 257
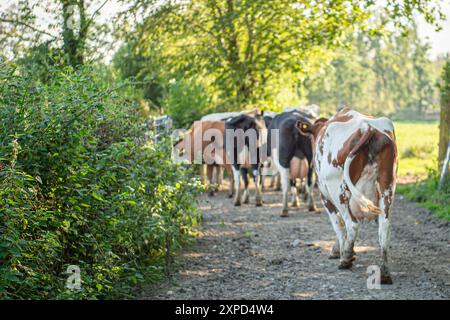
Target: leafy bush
39, 60
186, 102
79, 188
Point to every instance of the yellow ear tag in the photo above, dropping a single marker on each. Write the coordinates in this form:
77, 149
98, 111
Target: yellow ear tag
305, 126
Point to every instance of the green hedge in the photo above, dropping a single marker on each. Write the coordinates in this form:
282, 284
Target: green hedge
78, 188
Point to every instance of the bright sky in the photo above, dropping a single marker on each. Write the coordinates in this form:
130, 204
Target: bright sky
439, 41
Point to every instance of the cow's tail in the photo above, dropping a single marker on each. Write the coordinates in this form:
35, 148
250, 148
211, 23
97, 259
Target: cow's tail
366, 204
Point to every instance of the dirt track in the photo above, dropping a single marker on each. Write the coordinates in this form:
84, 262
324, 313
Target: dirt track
250, 252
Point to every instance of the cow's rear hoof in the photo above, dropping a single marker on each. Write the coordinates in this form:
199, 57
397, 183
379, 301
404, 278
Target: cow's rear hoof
237, 204
284, 214
386, 280
259, 203
333, 256
312, 209
345, 265
294, 205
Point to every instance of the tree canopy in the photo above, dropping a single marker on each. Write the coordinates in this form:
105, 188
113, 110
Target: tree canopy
68, 25
244, 53
243, 48
380, 74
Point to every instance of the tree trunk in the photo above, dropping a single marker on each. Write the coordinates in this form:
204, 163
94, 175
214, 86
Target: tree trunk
444, 132
74, 32
444, 126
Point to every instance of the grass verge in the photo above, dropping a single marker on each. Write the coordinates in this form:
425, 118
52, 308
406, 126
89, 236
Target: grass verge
426, 193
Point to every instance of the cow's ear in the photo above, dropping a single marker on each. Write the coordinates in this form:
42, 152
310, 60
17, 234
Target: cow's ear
304, 127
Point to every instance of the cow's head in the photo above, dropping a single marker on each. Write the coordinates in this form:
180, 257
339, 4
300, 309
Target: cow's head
307, 128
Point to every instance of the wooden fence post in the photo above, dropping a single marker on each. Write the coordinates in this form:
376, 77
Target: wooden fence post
444, 170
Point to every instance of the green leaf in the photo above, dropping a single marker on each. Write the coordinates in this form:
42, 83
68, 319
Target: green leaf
96, 196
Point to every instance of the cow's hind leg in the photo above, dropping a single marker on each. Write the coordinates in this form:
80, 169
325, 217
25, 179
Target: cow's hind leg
272, 181
384, 227
348, 254
257, 180
387, 166
210, 176
284, 177
262, 177
232, 185
231, 190
278, 182
337, 227
294, 193
309, 190
301, 189
246, 196
262, 180
384, 235
237, 187
335, 253
219, 177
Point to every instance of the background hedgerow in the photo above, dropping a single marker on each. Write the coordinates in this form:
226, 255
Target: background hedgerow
79, 186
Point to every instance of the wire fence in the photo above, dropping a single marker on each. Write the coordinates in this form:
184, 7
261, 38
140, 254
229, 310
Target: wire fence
159, 127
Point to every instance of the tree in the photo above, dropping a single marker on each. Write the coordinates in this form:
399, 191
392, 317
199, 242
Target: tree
69, 28
186, 101
444, 126
382, 74
244, 46
424, 85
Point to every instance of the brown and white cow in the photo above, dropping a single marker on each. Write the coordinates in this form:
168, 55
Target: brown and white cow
356, 163
204, 144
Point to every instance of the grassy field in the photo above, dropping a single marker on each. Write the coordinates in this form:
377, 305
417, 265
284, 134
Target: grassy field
417, 143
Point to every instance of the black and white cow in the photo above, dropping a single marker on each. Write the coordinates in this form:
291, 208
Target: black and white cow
242, 144
292, 154
267, 167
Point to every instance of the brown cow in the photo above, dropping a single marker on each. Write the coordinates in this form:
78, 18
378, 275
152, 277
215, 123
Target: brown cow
204, 144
